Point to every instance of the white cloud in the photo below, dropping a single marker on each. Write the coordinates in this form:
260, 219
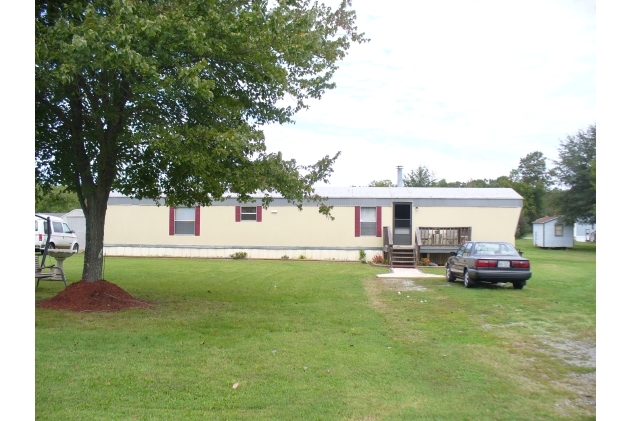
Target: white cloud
465, 88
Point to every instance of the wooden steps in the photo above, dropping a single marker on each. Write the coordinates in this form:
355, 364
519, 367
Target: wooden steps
402, 257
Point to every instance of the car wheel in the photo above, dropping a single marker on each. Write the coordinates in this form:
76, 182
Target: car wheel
75, 248
519, 285
450, 276
467, 281
51, 246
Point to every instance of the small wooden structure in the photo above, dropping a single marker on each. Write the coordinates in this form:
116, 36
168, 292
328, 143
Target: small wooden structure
434, 243
54, 273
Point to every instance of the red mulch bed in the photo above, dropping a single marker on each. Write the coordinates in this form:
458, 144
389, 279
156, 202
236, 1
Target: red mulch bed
92, 296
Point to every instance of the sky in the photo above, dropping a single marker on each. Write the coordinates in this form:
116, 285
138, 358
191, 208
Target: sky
464, 88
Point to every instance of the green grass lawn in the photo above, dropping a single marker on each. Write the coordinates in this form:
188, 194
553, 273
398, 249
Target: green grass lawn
322, 341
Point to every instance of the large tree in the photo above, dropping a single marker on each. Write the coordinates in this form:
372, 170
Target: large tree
381, 183
532, 170
532, 179
56, 199
168, 98
420, 177
575, 170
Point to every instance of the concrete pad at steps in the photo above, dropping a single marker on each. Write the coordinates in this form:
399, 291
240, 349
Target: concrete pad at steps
407, 273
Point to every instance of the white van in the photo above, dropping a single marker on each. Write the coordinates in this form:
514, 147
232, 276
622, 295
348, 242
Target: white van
61, 237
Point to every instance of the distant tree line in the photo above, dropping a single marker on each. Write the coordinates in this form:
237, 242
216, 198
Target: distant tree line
567, 189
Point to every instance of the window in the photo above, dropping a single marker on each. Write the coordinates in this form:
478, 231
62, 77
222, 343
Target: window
367, 221
67, 229
558, 230
57, 227
248, 213
184, 221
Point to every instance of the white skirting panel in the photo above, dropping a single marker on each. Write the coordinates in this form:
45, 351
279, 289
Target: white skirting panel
217, 253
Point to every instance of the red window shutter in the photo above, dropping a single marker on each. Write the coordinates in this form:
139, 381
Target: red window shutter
171, 220
259, 213
379, 221
357, 221
197, 212
237, 213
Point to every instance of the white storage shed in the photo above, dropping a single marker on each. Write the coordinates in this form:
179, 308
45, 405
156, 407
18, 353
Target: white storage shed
550, 232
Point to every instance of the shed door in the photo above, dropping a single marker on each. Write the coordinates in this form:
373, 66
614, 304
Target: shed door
402, 224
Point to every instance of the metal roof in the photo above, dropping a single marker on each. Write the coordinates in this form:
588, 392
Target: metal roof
75, 213
545, 219
418, 192
399, 193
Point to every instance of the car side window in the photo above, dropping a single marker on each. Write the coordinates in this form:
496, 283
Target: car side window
36, 225
467, 250
57, 227
67, 229
460, 250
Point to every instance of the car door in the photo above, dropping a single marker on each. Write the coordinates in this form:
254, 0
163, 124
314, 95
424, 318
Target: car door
39, 235
460, 262
456, 265
69, 235
58, 236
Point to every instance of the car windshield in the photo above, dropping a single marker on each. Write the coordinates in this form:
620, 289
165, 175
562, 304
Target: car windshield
502, 249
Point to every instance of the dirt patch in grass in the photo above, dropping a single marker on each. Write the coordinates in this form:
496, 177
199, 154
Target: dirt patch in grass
578, 354
92, 296
401, 285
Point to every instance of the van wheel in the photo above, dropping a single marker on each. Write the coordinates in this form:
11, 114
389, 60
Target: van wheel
52, 246
75, 248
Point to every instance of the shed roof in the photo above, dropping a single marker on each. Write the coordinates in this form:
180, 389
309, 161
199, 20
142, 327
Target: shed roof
545, 219
75, 213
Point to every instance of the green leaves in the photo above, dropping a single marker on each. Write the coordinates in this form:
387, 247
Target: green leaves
169, 97
576, 169
181, 86
420, 177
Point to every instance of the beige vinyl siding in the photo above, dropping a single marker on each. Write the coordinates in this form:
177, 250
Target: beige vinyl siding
488, 224
282, 226
143, 230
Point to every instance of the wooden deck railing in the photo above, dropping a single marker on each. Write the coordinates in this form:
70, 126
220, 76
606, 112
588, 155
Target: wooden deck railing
447, 237
388, 243
417, 243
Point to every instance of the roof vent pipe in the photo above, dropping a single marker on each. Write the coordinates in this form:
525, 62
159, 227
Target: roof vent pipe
399, 176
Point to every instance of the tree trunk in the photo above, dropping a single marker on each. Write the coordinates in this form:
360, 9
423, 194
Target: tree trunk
94, 235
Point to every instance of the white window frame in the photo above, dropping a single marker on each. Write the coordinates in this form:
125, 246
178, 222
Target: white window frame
248, 216
185, 219
556, 228
365, 223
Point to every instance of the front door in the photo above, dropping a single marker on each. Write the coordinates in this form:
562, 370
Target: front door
402, 224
